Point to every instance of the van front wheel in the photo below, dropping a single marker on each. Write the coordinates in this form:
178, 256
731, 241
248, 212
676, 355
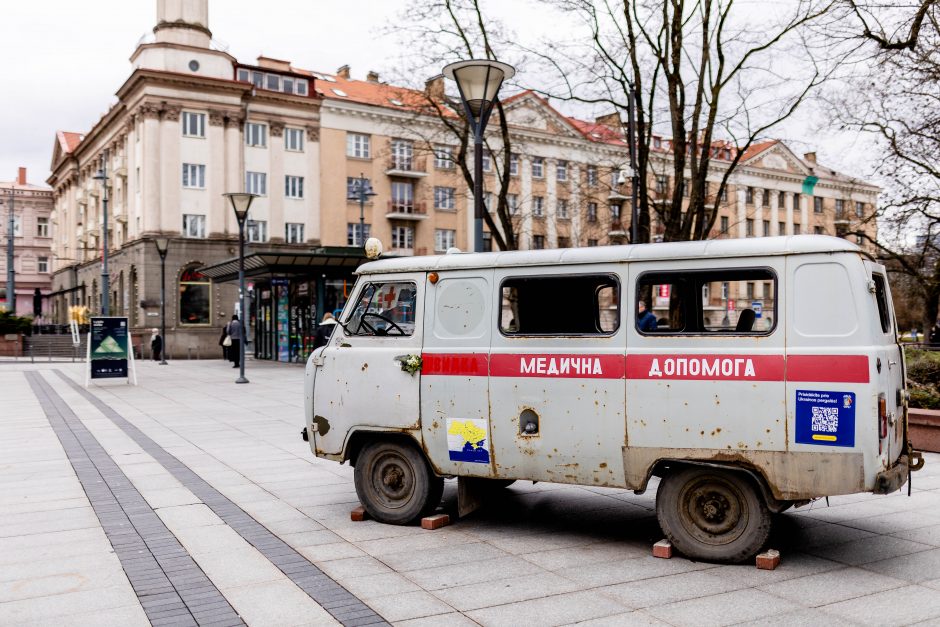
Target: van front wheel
713, 515
395, 484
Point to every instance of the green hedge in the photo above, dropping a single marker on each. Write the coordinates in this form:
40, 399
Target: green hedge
923, 378
14, 324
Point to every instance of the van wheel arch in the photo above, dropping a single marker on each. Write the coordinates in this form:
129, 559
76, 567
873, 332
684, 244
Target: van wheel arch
664, 467
360, 437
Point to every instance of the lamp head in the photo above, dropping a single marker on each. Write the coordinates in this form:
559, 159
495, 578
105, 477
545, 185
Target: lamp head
478, 81
162, 244
241, 202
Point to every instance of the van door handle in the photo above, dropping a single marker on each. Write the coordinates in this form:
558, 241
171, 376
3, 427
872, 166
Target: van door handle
892, 363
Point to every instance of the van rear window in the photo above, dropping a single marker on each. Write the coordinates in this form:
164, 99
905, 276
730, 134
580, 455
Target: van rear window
735, 301
560, 305
881, 295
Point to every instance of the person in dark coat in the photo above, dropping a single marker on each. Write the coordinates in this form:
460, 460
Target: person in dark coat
234, 330
645, 320
935, 335
225, 349
156, 344
324, 331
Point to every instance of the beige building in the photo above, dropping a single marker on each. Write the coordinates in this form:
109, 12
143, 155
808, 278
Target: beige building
192, 123
32, 252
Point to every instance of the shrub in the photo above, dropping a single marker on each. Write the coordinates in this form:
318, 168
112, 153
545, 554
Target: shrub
10, 323
923, 378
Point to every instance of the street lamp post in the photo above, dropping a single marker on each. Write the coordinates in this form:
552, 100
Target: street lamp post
11, 274
635, 177
241, 202
361, 191
162, 243
102, 175
478, 82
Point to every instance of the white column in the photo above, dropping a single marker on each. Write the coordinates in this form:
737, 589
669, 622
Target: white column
788, 203
804, 214
759, 213
276, 182
234, 171
217, 176
774, 214
171, 172
312, 150
742, 211
551, 193
574, 205
150, 169
525, 204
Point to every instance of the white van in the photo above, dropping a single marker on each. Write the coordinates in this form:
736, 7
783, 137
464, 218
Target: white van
769, 375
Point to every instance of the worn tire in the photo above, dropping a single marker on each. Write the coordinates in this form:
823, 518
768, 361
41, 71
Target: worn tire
394, 482
712, 514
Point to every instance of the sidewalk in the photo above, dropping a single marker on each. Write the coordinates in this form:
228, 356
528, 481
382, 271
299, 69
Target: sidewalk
191, 500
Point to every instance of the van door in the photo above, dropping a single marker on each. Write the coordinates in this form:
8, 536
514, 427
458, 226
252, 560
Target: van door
556, 375
455, 401
360, 381
887, 351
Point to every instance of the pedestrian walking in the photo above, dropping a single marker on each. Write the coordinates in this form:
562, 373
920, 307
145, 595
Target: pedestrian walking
225, 342
324, 331
234, 329
156, 344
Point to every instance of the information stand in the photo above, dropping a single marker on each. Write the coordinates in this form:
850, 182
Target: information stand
109, 353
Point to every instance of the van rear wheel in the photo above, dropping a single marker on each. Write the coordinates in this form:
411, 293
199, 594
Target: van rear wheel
713, 515
394, 482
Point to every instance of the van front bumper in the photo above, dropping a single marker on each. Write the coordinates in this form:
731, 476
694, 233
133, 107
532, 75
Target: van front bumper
893, 478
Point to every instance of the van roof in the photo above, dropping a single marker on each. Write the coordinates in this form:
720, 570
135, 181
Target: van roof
746, 247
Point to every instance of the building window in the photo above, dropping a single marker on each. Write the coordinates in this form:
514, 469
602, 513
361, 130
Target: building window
796, 229
488, 201
750, 290
42, 227
749, 195
781, 228
749, 227
724, 225
818, 204
354, 237
512, 201
766, 228
592, 243
840, 207
195, 295
194, 124
444, 157
818, 230
194, 175
256, 231
562, 210
725, 289
294, 232
403, 196
561, 171
256, 183
403, 237
445, 198
294, 139
592, 212
564, 242
538, 167
859, 209
661, 183
444, 239
592, 175
358, 146
614, 211
724, 193
256, 134
513, 164
293, 186
487, 161
538, 206
796, 201
194, 225
487, 241
402, 154
43, 265
538, 242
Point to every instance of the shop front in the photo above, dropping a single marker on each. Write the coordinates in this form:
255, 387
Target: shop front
288, 293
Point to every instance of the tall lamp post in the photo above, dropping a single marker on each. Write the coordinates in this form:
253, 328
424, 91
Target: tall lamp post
361, 191
241, 202
11, 274
162, 243
478, 82
102, 176
635, 176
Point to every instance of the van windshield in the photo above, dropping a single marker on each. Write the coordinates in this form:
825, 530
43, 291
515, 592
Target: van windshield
384, 309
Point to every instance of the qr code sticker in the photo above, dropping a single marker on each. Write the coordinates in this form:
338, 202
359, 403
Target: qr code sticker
826, 419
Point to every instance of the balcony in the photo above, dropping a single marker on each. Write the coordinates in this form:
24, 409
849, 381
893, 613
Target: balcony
406, 167
618, 193
404, 210
617, 229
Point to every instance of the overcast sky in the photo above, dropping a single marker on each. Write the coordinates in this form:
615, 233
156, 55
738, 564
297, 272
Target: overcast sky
64, 60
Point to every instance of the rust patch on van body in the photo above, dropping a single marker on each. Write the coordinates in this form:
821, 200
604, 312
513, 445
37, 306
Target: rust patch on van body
790, 475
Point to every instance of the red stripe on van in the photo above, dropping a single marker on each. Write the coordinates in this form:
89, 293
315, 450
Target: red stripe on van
558, 366
828, 368
706, 367
454, 364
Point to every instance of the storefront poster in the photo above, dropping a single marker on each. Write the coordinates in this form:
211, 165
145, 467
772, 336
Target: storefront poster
283, 324
108, 348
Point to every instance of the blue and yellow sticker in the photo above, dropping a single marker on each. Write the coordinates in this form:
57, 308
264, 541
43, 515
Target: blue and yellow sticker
826, 418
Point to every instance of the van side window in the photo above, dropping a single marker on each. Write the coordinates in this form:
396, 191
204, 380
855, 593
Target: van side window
881, 295
560, 305
384, 309
733, 301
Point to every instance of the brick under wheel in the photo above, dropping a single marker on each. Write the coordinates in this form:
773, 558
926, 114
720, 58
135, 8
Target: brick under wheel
394, 482
713, 514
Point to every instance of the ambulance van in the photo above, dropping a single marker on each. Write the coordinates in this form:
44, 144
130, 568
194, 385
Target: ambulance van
763, 373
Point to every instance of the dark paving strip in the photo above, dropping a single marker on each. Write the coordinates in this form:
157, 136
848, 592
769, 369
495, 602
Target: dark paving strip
330, 595
171, 587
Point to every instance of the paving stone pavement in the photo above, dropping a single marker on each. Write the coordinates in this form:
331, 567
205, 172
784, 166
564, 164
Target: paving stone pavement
261, 527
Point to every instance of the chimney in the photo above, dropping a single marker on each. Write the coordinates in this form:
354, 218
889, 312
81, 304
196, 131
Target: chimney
21, 176
810, 156
343, 72
372, 76
611, 120
434, 88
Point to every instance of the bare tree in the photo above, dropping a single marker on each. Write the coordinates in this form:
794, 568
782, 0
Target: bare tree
702, 73
886, 22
